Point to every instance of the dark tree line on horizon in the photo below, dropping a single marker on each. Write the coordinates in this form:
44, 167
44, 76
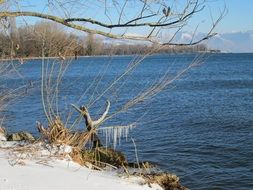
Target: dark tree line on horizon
47, 39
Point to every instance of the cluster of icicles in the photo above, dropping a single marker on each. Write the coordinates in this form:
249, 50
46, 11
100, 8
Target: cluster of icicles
115, 133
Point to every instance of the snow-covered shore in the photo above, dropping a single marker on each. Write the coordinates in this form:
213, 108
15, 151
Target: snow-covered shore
39, 171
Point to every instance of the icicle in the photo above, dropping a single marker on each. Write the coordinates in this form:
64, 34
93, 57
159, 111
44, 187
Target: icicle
114, 137
115, 133
120, 134
106, 140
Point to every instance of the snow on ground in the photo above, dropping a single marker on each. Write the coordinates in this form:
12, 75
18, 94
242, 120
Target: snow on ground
25, 171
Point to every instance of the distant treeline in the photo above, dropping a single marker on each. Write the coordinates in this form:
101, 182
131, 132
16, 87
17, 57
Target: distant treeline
50, 40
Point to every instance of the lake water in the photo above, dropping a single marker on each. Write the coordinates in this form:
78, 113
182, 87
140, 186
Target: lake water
199, 127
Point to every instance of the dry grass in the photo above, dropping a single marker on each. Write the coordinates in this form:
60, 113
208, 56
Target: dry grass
2, 130
57, 133
165, 180
41, 152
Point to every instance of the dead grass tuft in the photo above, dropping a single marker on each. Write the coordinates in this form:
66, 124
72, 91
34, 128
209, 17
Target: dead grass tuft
165, 180
57, 133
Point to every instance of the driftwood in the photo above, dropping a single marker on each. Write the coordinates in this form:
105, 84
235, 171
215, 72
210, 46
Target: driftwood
91, 124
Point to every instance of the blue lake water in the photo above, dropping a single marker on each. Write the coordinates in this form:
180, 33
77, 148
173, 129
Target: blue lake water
199, 127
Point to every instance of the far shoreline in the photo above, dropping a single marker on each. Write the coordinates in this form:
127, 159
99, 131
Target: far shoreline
90, 56
65, 58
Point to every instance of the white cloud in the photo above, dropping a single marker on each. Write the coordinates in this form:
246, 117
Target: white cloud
186, 37
233, 41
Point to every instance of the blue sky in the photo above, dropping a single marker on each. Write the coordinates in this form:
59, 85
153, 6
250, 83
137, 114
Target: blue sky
239, 16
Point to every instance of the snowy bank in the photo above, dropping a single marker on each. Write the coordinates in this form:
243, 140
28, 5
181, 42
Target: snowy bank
41, 169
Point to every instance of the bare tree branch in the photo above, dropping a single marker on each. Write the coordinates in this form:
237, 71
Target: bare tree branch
145, 18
